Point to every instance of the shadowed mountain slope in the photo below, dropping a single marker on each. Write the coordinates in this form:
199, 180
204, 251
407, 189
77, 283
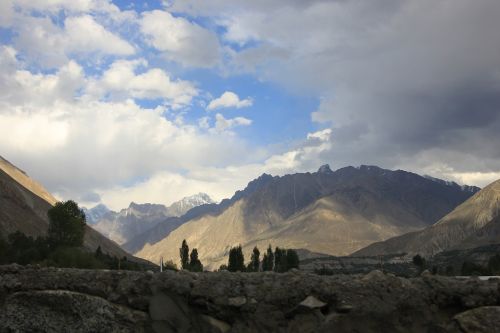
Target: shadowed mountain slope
473, 223
24, 204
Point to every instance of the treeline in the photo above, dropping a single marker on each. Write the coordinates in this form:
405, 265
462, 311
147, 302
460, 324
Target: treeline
467, 268
63, 245
280, 260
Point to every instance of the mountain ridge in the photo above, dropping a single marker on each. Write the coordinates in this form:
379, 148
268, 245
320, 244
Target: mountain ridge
464, 227
291, 210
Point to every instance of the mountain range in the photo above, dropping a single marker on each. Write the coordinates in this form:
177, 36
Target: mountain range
474, 223
136, 219
329, 212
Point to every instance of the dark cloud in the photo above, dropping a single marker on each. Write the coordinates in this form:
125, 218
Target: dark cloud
412, 84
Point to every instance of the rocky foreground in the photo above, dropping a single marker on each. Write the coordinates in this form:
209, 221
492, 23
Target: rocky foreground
73, 300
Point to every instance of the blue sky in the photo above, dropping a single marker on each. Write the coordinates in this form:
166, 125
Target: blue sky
149, 101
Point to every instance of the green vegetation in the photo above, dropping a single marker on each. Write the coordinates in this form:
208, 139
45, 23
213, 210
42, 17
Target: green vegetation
170, 265
184, 254
189, 262
254, 264
236, 260
195, 264
67, 224
63, 245
419, 261
268, 260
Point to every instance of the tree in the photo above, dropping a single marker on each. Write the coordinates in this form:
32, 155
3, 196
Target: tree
268, 260
280, 260
67, 224
98, 252
184, 253
195, 263
255, 260
170, 265
494, 265
292, 259
236, 260
419, 261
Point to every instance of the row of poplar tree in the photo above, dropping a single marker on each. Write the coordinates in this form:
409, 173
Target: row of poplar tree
280, 260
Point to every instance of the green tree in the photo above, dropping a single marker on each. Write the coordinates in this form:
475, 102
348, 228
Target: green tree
419, 261
292, 259
170, 265
236, 260
268, 260
195, 264
67, 224
184, 253
98, 252
494, 265
255, 260
280, 260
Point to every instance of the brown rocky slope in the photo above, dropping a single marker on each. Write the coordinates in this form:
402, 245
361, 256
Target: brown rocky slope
473, 223
63, 300
23, 207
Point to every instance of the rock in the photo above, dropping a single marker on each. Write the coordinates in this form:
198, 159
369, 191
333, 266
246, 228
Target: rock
217, 324
484, 319
312, 302
170, 310
426, 273
344, 308
237, 301
50, 299
64, 311
374, 275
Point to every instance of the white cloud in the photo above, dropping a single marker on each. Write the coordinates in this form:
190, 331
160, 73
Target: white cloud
85, 35
6, 13
222, 124
52, 46
229, 100
121, 82
181, 41
22, 87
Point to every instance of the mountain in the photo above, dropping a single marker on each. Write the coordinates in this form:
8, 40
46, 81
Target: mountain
328, 212
135, 223
131, 221
476, 222
96, 213
182, 206
24, 204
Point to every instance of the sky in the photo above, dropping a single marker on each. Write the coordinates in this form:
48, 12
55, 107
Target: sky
150, 101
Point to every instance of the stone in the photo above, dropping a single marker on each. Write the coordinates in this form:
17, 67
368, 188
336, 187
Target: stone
485, 319
344, 308
64, 311
237, 301
374, 275
217, 324
312, 302
57, 300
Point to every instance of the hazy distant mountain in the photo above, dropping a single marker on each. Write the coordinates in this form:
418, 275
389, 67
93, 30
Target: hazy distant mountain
130, 221
182, 206
328, 212
476, 222
24, 204
138, 219
95, 214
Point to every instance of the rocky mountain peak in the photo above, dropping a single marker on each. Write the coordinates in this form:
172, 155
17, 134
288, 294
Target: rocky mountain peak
325, 169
